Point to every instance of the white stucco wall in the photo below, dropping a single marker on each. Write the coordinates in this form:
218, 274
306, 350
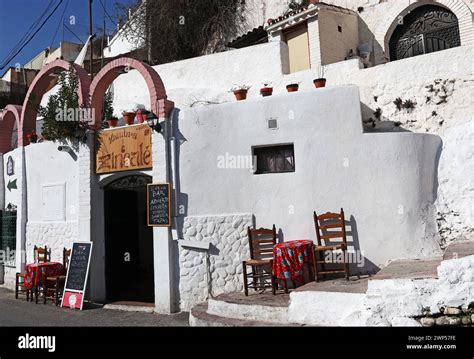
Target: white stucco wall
45, 165
385, 181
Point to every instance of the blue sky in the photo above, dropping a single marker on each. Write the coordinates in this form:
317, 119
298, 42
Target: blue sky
19, 15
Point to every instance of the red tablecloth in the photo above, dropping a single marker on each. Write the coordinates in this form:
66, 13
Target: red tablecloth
35, 271
289, 258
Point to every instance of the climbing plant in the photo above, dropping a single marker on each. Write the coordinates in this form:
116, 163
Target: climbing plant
63, 117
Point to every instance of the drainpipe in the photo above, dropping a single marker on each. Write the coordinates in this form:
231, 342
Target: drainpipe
172, 165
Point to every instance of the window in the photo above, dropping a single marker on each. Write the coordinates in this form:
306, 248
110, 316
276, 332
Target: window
275, 159
298, 48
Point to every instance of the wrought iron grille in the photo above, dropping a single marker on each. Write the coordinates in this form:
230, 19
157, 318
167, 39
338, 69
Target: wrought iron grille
426, 29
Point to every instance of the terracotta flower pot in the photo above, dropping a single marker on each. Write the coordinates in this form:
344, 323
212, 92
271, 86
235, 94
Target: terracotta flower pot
32, 138
112, 122
142, 116
240, 94
292, 87
129, 117
266, 91
320, 83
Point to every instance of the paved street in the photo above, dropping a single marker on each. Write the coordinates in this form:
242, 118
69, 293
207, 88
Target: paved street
21, 313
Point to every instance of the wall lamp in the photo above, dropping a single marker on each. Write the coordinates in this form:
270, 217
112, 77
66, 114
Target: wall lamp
153, 122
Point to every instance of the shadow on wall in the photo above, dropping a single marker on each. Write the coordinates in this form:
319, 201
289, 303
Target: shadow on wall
359, 265
374, 121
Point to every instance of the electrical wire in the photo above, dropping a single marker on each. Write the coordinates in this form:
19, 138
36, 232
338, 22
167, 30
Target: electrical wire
105, 11
61, 21
26, 42
72, 32
30, 30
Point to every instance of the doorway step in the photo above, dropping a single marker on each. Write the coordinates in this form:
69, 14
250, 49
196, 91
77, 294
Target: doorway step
128, 306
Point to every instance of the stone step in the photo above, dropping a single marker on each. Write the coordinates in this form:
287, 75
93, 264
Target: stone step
199, 317
261, 307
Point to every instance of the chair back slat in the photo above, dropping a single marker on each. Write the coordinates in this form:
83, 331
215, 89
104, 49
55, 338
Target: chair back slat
261, 242
41, 254
330, 225
66, 257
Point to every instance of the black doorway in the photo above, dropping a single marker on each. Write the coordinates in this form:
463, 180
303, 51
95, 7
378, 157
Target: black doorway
128, 241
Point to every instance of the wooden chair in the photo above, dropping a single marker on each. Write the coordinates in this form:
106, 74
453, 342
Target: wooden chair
330, 226
40, 254
261, 242
53, 286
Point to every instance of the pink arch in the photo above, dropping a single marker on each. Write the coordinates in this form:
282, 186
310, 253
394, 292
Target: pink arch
10, 115
158, 99
42, 82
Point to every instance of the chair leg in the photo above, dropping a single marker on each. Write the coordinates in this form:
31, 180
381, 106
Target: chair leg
36, 295
246, 290
254, 271
16, 286
315, 266
286, 285
56, 295
346, 266
272, 278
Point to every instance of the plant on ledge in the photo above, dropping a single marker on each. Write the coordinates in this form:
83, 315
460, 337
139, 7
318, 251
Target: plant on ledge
108, 118
63, 118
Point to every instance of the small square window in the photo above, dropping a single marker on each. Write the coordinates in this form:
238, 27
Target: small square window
274, 159
339, 28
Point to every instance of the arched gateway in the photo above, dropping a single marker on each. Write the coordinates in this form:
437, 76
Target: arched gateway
159, 103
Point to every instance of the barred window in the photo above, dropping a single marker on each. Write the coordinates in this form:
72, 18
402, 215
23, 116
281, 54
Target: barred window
274, 159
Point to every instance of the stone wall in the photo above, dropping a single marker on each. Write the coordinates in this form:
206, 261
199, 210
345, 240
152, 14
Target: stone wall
393, 301
55, 235
202, 273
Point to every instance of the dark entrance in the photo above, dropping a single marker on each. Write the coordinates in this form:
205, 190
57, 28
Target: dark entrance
128, 241
426, 29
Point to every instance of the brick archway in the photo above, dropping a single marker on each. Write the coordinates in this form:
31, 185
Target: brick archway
8, 117
41, 84
459, 8
158, 99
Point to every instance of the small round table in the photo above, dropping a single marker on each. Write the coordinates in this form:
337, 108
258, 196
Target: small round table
290, 258
35, 271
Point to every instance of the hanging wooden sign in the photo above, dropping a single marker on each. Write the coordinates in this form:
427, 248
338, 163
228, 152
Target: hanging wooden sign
124, 149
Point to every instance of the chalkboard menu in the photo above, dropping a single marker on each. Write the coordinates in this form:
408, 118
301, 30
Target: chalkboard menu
78, 266
158, 205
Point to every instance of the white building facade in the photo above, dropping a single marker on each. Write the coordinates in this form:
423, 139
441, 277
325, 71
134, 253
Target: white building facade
403, 177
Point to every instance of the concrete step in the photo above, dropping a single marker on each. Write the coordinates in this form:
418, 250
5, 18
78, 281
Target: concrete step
199, 317
263, 307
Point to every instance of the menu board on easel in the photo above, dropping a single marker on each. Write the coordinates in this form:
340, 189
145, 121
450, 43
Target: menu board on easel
159, 205
77, 273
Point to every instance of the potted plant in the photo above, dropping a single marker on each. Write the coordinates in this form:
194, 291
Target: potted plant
293, 87
128, 117
112, 121
321, 81
240, 92
266, 90
32, 137
141, 113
